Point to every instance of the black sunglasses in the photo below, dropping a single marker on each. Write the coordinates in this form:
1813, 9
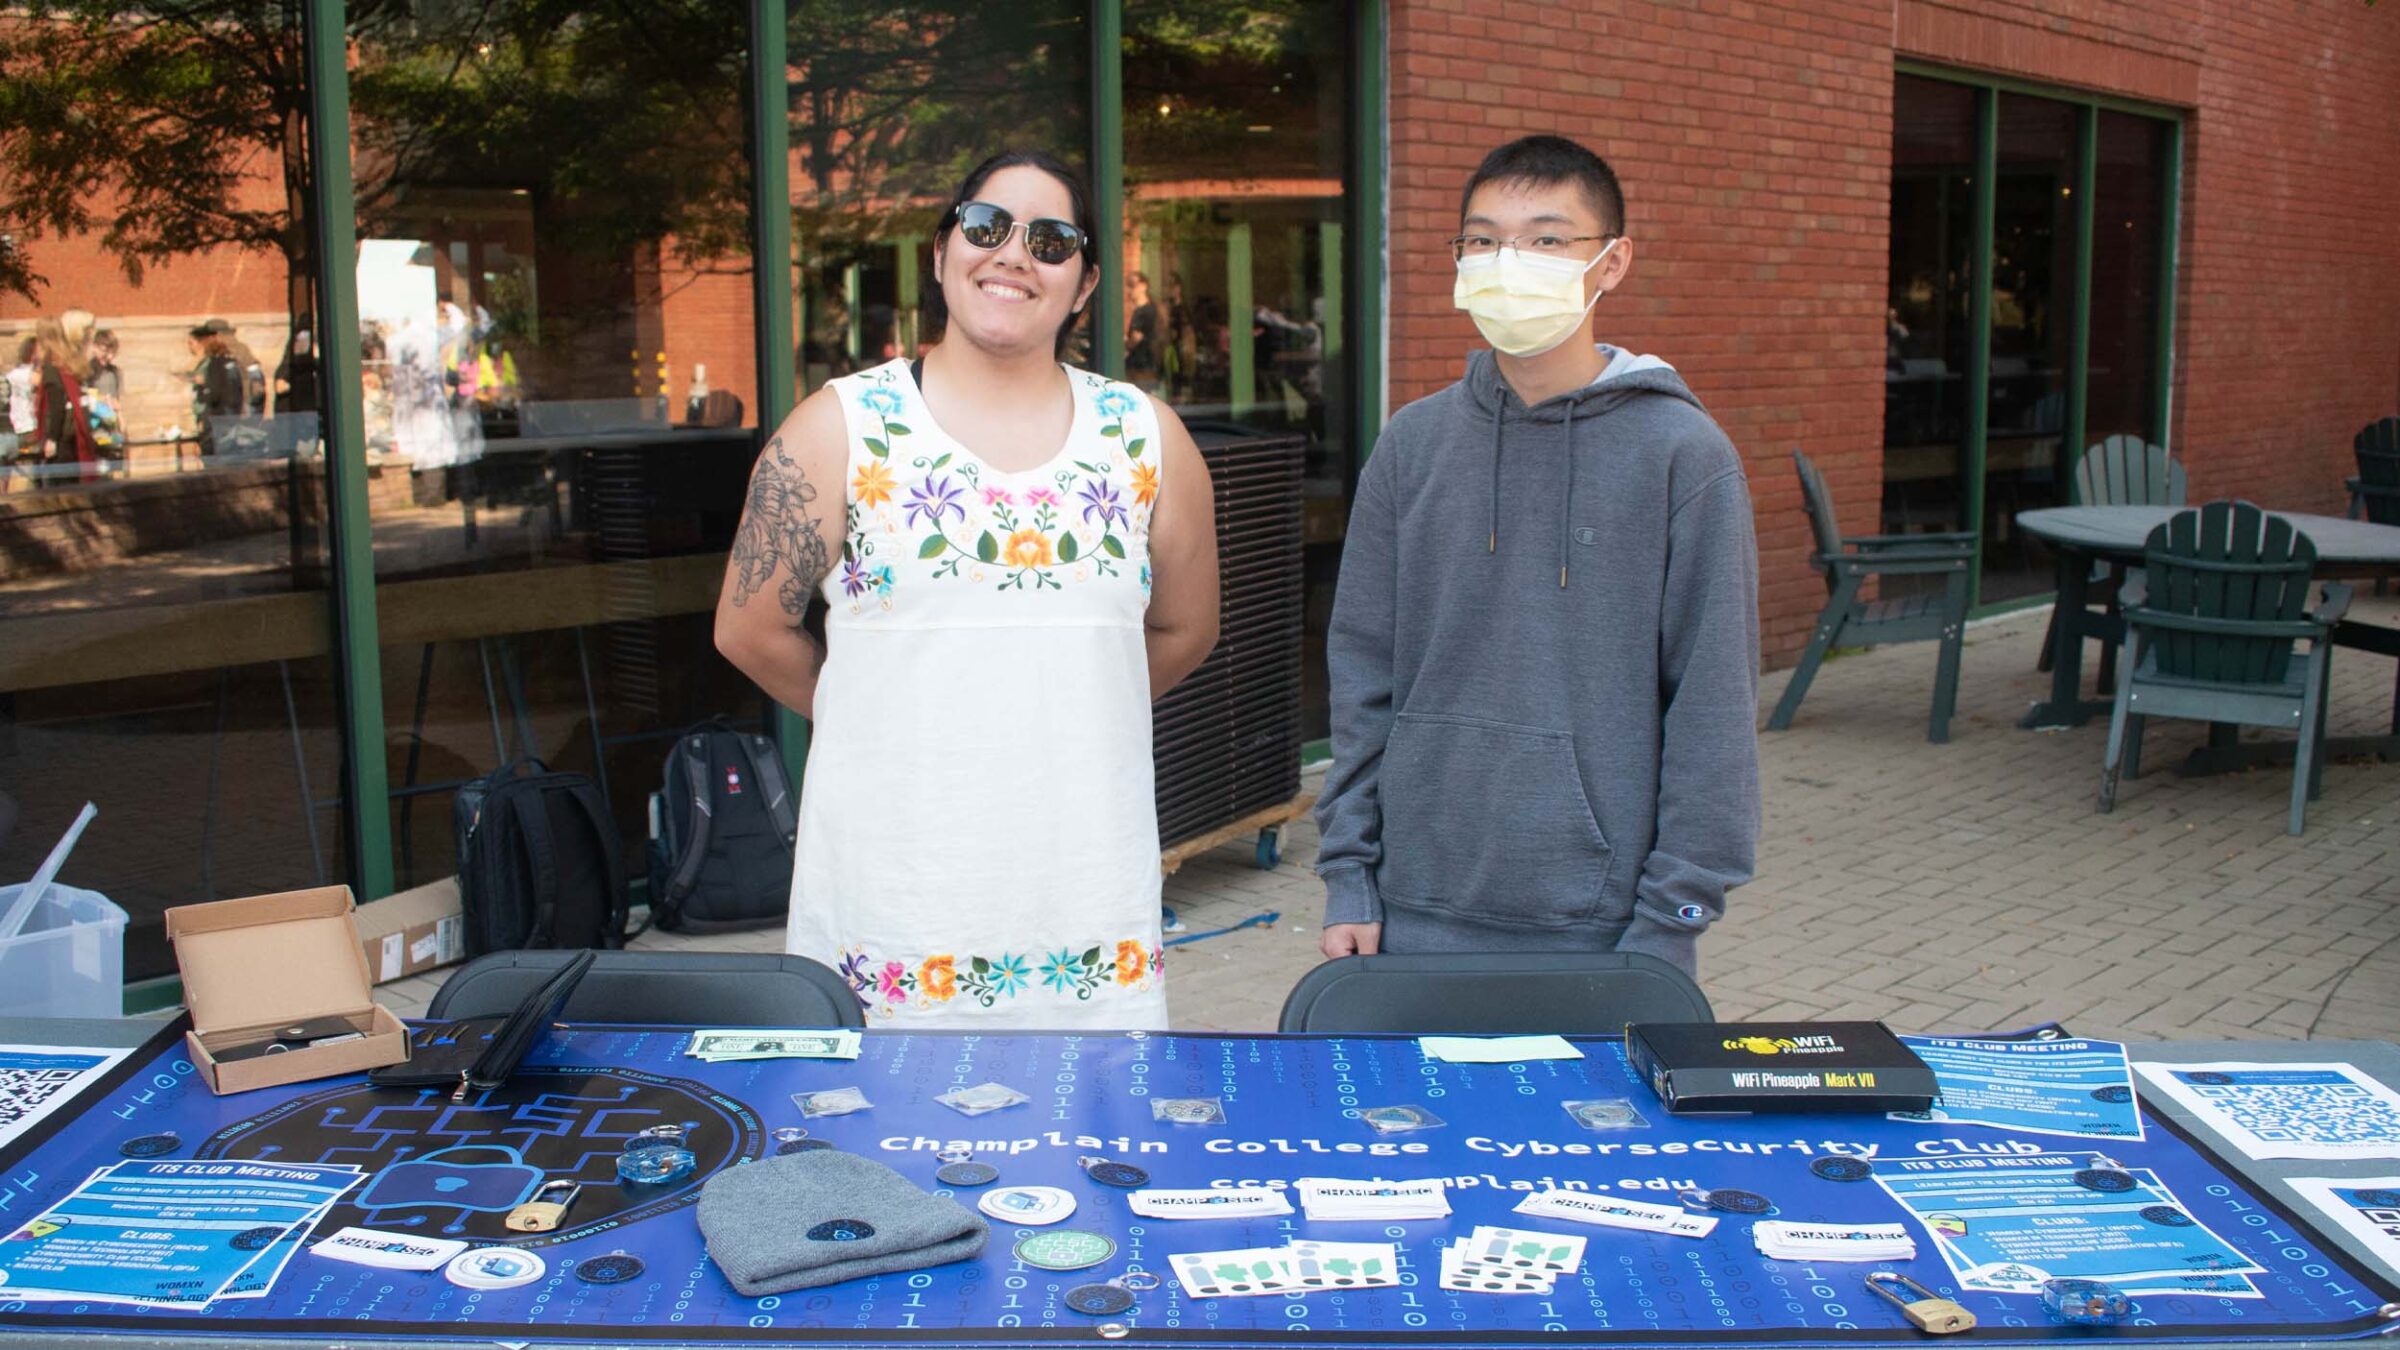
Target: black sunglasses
988, 227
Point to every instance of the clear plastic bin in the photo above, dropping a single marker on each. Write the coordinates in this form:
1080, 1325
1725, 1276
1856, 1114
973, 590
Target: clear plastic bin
68, 960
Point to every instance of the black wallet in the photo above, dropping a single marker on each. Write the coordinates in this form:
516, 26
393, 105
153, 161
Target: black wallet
479, 1053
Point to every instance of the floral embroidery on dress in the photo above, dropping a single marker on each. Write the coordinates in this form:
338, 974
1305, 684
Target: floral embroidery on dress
883, 987
1073, 528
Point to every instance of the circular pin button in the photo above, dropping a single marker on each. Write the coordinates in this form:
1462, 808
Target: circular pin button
1099, 1300
494, 1268
150, 1145
256, 1239
1031, 1205
2103, 1180
2114, 1092
614, 1268
2166, 1216
967, 1174
1065, 1249
1842, 1169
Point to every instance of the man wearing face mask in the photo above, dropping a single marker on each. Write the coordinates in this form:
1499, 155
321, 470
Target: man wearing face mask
1544, 650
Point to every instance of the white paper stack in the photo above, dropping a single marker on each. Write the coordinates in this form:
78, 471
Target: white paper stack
1833, 1241
1221, 1202
1612, 1211
1509, 1261
1330, 1199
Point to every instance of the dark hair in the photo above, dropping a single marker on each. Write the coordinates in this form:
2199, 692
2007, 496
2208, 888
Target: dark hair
937, 310
1547, 161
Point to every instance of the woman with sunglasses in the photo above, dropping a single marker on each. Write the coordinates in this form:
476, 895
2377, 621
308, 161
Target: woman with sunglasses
1016, 558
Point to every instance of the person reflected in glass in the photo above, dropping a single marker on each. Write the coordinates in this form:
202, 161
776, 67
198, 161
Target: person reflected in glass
218, 387
64, 352
1145, 334
1015, 558
20, 425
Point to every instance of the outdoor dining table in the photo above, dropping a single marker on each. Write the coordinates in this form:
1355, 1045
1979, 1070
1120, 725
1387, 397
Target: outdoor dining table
2083, 535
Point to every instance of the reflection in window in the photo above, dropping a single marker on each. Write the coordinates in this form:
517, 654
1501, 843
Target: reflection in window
2033, 294
891, 105
1926, 348
555, 285
1235, 146
164, 635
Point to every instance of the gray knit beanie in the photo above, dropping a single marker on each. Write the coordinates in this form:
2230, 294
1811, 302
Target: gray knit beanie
825, 1216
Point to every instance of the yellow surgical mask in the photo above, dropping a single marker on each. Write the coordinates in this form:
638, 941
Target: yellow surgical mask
1524, 304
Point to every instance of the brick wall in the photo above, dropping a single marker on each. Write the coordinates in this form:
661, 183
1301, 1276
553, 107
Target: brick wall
1753, 142
2290, 318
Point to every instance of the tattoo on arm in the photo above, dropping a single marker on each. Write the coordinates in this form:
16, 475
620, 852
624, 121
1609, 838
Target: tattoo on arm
779, 532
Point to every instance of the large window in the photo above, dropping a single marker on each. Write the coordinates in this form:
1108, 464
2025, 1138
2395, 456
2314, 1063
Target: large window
559, 380
1234, 248
2007, 352
164, 634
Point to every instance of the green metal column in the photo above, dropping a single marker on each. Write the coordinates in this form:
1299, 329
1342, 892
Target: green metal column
771, 299
1369, 249
358, 651
1240, 313
1108, 184
854, 300
905, 281
2079, 323
1329, 269
2162, 394
1979, 322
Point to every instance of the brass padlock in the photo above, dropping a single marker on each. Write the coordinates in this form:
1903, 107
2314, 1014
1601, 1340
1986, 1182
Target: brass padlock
546, 1210
1927, 1310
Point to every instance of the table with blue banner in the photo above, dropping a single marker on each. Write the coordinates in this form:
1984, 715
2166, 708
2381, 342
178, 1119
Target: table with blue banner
1292, 1107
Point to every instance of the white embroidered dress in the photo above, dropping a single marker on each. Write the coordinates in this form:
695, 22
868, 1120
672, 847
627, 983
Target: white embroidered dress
978, 833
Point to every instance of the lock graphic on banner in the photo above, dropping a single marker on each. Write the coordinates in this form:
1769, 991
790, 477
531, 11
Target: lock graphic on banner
444, 1179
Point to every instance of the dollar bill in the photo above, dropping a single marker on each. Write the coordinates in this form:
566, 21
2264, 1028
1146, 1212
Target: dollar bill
718, 1046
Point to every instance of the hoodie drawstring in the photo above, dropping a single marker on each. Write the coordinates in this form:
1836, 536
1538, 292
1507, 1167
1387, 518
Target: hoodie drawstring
1566, 514
1499, 415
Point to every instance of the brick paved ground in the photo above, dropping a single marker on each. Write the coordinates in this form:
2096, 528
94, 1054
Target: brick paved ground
1966, 886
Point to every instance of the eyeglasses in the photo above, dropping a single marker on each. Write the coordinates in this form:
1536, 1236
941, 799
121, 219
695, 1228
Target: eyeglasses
1548, 245
988, 227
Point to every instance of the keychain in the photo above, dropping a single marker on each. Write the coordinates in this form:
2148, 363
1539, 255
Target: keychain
1112, 1297
656, 1156
1930, 1312
546, 1210
1727, 1200
1109, 1172
959, 1168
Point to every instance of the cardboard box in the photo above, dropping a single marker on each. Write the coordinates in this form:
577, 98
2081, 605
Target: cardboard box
411, 932
1779, 1066
253, 965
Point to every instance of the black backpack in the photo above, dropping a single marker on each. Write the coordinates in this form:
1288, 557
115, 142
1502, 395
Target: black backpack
722, 827
539, 862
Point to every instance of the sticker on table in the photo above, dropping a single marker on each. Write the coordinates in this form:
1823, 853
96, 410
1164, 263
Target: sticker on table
2325, 1112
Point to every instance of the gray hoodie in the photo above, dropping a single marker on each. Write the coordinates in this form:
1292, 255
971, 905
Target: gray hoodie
1544, 658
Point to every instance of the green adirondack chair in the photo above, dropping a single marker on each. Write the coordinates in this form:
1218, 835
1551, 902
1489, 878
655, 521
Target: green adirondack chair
2375, 493
2210, 628
2120, 471
1849, 620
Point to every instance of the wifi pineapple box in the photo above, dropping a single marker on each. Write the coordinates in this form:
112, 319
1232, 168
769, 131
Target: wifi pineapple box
1779, 1066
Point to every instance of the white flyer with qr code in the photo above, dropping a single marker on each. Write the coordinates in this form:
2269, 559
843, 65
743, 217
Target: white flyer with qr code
36, 1080
2328, 1112
2367, 1208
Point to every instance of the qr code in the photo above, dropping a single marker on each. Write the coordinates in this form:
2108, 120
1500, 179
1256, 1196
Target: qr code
23, 1091
2306, 1113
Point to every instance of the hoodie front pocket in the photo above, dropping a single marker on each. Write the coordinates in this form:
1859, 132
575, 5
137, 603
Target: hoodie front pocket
1489, 821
